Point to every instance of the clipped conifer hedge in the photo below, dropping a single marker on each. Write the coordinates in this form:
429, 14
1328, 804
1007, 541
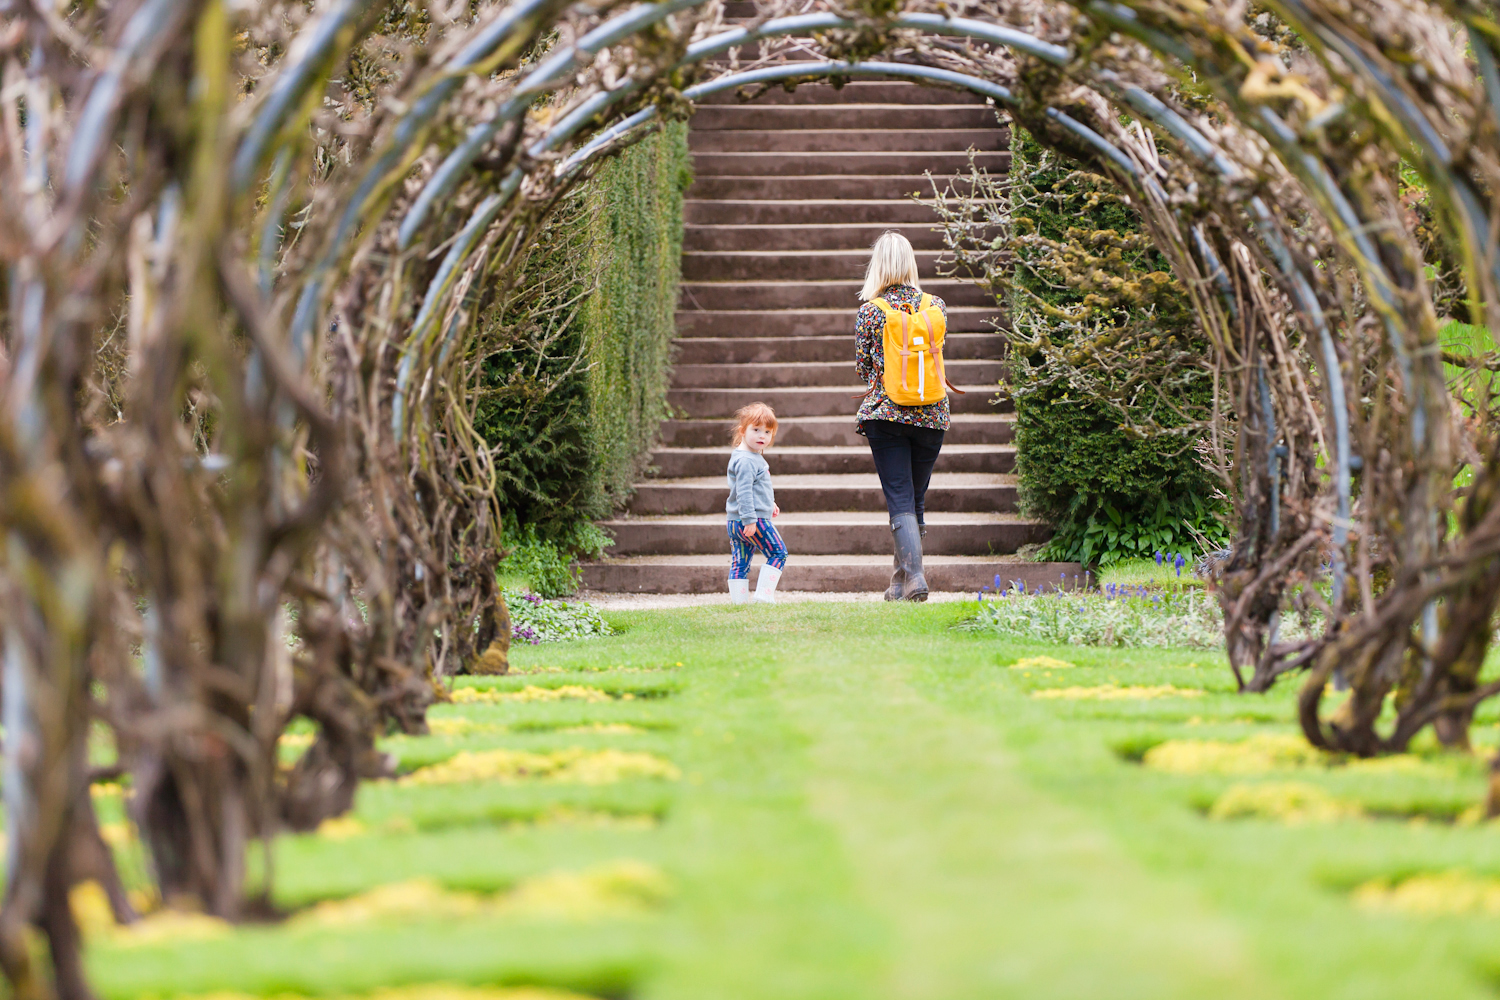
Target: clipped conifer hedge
1111, 493
576, 387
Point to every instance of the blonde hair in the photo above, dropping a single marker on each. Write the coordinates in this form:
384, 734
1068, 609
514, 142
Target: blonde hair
756, 414
892, 262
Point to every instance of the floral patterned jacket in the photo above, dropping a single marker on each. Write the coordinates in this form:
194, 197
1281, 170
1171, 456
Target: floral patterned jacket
869, 363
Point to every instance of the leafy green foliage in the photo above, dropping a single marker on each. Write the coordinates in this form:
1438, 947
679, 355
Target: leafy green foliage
547, 564
1108, 537
1111, 492
535, 620
575, 387
635, 207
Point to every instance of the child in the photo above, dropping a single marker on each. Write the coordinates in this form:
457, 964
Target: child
752, 504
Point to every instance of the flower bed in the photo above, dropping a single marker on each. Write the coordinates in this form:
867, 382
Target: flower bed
536, 620
1138, 615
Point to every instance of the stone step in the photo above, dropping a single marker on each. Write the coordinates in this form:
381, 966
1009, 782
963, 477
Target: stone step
803, 164
826, 187
752, 323
791, 460
763, 238
950, 491
813, 401
735, 377
791, 190
853, 92
761, 117
847, 140
832, 533
777, 350
772, 212
706, 574
722, 295
837, 431
792, 265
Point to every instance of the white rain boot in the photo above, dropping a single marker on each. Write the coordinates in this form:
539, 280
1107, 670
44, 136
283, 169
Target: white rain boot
765, 587
739, 591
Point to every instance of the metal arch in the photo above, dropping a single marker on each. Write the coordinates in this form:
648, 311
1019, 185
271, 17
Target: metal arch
564, 129
1141, 101
472, 56
407, 131
550, 73
490, 208
457, 162
288, 87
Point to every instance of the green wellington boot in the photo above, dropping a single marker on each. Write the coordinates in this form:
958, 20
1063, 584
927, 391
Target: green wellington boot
907, 582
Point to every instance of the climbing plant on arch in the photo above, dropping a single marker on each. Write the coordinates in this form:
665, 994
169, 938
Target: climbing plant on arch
244, 243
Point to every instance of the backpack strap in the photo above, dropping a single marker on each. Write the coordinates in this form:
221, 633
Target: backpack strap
937, 350
905, 351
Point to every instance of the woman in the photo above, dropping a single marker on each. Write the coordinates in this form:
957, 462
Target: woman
906, 432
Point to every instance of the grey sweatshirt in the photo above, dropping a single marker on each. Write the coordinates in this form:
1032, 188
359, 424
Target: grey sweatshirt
750, 493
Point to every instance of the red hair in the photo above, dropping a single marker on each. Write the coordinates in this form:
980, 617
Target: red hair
756, 414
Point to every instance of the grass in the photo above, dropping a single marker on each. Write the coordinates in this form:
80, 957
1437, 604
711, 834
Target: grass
872, 804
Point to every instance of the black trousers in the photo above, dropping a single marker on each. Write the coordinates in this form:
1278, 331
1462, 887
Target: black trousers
904, 456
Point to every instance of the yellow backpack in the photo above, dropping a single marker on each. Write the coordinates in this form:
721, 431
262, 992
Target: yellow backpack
914, 373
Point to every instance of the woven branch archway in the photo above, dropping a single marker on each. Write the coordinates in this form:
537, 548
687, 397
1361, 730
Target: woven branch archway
300, 273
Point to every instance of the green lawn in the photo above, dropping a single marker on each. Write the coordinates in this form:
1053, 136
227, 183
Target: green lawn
868, 804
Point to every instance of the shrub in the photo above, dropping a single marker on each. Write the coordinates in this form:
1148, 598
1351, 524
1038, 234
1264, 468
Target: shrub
1111, 492
1105, 366
574, 392
635, 208
548, 564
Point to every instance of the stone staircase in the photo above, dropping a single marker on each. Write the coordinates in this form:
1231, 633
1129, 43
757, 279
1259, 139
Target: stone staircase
790, 193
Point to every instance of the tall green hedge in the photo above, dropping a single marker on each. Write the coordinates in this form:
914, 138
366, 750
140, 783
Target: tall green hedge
575, 387
1111, 494
635, 211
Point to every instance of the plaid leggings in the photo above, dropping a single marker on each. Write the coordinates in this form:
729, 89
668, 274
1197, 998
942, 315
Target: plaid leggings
767, 541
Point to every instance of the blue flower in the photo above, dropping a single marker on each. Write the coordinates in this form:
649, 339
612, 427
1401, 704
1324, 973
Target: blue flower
1158, 557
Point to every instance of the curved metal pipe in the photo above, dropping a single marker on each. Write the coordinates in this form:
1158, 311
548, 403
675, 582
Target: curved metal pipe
454, 165
552, 72
1338, 401
313, 50
570, 124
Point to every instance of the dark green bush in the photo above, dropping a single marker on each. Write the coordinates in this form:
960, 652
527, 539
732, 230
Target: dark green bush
547, 565
1111, 492
574, 392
